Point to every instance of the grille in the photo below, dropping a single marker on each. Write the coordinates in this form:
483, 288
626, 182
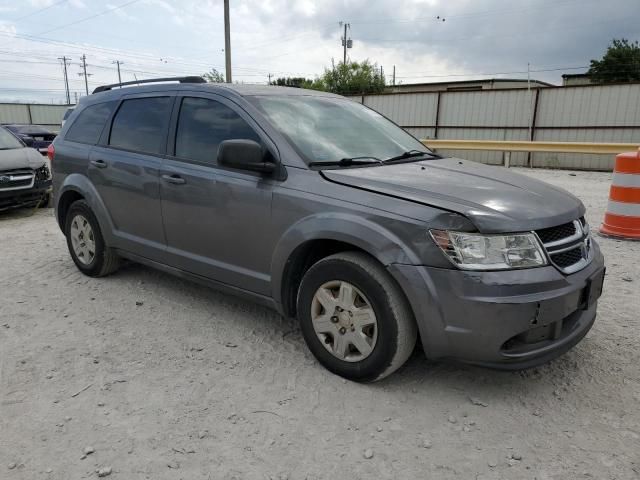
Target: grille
15, 179
568, 245
568, 258
553, 234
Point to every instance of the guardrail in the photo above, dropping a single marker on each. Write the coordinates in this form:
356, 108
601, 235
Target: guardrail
524, 146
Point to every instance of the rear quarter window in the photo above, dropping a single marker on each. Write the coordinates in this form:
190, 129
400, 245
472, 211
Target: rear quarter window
88, 125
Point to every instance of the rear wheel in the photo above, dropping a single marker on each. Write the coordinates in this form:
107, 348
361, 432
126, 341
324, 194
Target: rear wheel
354, 317
86, 244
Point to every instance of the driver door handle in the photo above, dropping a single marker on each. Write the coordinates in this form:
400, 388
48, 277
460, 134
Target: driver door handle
175, 179
99, 163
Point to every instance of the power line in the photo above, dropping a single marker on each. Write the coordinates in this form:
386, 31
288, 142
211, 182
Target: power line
40, 10
104, 12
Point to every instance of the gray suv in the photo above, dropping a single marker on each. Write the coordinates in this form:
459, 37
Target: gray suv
330, 213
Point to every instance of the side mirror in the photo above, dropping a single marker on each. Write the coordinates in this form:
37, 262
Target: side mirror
244, 155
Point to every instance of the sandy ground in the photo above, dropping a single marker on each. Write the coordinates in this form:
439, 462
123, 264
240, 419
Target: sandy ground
165, 379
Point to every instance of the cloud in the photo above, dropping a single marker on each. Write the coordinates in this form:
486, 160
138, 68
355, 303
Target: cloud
121, 13
493, 38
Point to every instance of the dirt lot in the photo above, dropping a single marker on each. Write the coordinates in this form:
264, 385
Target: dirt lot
165, 379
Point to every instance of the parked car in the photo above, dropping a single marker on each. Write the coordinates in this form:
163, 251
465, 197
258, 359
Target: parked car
327, 211
34, 136
67, 114
24, 176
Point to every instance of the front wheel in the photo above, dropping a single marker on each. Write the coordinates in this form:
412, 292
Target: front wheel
354, 317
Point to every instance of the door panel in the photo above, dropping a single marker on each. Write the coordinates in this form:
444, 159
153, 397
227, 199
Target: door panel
125, 169
129, 187
217, 223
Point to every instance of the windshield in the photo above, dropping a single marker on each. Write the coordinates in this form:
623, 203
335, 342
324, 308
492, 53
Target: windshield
330, 129
8, 141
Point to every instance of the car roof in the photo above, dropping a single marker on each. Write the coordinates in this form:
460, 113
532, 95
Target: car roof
226, 89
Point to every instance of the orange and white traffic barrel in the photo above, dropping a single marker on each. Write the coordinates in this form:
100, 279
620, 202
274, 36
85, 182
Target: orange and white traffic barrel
622, 218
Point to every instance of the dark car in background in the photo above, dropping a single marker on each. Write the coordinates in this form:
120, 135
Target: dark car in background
25, 179
34, 136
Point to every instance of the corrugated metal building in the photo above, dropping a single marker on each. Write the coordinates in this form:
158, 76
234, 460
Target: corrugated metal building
593, 113
467, 85
49, 116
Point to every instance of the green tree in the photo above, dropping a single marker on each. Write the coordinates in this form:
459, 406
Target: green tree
621, 63
352, 78
214, 76
297, 82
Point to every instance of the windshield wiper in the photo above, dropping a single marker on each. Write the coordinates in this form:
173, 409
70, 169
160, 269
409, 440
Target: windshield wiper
346, 162
411, 154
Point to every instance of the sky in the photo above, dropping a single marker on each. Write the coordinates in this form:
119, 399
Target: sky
426, 40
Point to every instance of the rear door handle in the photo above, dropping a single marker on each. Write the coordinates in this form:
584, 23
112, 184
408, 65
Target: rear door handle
175, 179
99, 163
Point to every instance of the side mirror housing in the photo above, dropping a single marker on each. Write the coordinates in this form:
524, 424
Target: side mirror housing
244, 155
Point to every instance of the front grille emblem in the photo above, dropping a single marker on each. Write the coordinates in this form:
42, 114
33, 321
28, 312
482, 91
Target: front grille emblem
4, 179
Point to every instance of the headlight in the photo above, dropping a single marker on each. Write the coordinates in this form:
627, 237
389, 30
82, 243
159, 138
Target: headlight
474, 251
43, 173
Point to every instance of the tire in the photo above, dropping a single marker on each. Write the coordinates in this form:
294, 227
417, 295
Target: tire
391, 341
96, 260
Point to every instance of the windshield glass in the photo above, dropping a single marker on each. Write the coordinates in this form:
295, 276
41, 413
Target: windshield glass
8, 141
330, 129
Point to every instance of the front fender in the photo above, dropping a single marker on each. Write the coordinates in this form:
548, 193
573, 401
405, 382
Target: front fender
82, 185
364, 234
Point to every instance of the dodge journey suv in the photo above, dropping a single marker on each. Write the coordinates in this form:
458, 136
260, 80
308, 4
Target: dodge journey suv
330, 213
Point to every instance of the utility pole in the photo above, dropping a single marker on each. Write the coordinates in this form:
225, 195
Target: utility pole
269, 80
346, 42
66, 78
85, 74
394, 75
118, 63
76, 94
227, 42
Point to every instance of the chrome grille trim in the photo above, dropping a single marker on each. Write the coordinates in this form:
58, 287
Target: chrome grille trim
16, 179
580, 239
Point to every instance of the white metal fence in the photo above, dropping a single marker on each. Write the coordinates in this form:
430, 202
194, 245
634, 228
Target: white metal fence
591, 113
39, 114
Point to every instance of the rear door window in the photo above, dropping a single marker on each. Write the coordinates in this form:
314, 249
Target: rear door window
141, 125
88, 126
203, 124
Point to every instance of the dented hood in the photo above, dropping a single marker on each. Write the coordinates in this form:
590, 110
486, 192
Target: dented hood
495, 199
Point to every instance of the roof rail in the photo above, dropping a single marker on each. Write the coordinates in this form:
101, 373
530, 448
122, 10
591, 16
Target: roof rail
192, 79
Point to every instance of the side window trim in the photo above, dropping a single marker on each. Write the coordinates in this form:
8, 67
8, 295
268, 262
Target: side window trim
106, 132
173, 129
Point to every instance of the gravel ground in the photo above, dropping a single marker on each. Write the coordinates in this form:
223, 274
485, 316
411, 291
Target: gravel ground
163, 379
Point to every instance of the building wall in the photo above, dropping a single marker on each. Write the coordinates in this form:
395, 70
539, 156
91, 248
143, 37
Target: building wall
596, 113
49, 116
461, 86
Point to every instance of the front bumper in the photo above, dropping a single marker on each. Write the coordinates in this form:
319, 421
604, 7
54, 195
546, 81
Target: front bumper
26, 197
511, 319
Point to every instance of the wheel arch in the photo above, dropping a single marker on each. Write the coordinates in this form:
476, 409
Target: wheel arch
79, 187
317, 237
